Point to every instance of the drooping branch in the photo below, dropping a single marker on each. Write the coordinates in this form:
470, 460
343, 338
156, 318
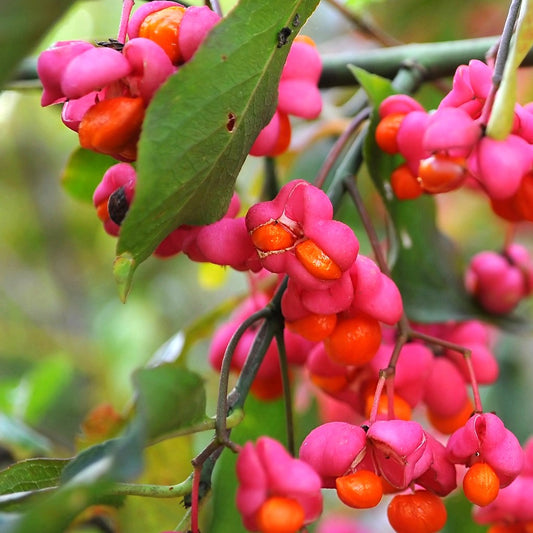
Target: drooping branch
439, 59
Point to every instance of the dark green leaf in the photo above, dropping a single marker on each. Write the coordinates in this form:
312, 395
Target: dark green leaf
84, 172
426, 265
22, 25
31, 474
169, 398
189, 154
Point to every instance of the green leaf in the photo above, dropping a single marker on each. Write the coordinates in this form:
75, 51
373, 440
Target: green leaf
42, 386
55, 512
16, 433
502, 114
201, 124
31, 474
426, 266
22, 25
84, 172
169, 398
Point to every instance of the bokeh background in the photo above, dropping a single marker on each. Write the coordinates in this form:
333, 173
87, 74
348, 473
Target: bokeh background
67, 343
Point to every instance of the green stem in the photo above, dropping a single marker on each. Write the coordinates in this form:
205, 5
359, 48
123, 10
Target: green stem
438, 59
233, 420
364, 25
152, 491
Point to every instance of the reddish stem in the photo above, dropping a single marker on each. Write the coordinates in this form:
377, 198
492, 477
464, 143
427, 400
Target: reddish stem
389, 384
377, 396
467, 355
127, 6
195, 499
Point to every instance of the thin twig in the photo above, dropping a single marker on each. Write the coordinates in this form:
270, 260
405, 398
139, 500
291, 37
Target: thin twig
501, 58
339, 146
215, 6
365, 26
285, 379
222, 404
467, 355
127, 6
505, 41
195, 499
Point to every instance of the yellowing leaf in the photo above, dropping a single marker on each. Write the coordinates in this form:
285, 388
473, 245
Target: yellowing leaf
211, 276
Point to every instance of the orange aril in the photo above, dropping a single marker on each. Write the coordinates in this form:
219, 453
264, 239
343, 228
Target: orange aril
113, 126
163, 28
449, 424
387, 132
280, 515
360, 490
272, 237
507, 208
402, 410
316, 261
387, 487
354, 341
508, 528
284, 135
102, 212
330, 384
524, 197
441, 173
481, 484
313, 327
405, 184
305, 39
419, 512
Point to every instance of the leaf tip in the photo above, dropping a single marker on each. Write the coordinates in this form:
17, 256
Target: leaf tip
123, 269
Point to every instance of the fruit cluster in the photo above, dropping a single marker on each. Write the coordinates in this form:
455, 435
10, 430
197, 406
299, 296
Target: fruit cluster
499, 281
388, 456
435, 378
106, 88
340, 310
447, 148
276, 492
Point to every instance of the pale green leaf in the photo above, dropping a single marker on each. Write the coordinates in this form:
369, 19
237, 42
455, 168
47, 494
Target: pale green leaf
502, 114
22, 25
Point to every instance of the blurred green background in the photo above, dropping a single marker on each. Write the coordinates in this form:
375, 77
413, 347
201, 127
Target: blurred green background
67, 344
